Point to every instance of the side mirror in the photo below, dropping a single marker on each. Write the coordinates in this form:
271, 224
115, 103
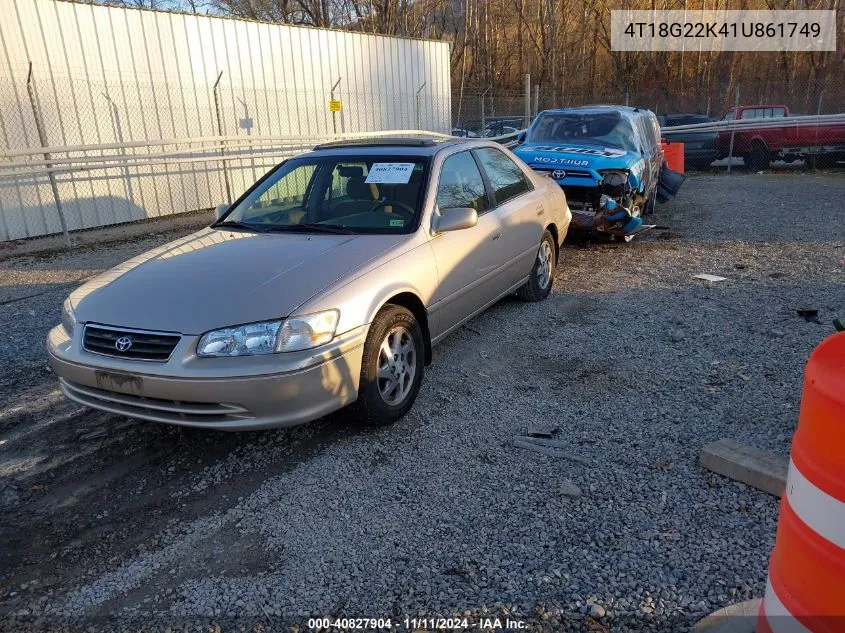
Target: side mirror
455, 219
219, 210
520, 138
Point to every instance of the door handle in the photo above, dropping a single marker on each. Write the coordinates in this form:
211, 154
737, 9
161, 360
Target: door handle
497, 236
540, 211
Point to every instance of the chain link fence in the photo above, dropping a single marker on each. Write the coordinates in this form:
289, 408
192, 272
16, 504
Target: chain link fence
113, 113
489, 113
83, 153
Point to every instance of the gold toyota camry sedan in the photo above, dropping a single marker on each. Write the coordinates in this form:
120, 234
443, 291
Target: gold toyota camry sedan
325, 285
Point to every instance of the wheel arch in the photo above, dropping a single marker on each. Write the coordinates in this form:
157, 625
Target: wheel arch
551, 227
414, 304
758, 141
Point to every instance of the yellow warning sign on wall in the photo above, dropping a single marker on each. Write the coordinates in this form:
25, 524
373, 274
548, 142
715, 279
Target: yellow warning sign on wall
335, 105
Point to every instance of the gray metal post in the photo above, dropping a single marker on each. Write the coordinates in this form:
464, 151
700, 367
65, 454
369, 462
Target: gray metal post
118, 133
527, 93
222, 142
417, 98
334, 114
733, 130
483, 129
42, 138
536, 99
627, 96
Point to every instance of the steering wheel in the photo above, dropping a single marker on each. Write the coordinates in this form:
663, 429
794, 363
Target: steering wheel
406, 209
273, 217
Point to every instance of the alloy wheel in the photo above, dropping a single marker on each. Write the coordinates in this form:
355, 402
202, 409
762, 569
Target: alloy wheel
397, 365
545, 261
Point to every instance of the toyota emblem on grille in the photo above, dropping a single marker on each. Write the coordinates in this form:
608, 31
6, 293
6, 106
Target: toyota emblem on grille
123, 344
558, 174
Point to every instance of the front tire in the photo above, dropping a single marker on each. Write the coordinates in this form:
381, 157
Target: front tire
392, 367
539, 284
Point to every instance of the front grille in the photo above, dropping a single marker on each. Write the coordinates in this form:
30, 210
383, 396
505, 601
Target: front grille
155, 409
570, 173
582, 197
142, 344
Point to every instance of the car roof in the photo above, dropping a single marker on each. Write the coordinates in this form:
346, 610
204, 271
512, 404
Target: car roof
407, 146
603, 107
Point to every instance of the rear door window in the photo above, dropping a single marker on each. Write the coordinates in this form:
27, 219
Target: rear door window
461, 184
506, 177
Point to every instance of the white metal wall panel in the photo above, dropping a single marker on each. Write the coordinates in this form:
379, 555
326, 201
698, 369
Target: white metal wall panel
118, 75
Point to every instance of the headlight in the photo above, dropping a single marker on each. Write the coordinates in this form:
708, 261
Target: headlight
290, 335
305, 332
614, 183
68, 317
242, 340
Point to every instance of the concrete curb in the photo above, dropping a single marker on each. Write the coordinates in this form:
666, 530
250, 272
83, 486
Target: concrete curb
736, 618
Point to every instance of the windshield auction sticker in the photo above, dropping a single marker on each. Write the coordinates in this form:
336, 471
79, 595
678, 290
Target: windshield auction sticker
390, 173
659, 31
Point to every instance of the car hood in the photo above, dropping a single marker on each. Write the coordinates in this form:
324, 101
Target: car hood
217, 278
554, 156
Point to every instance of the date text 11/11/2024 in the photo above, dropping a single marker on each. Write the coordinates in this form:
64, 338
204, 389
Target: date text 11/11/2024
416, 624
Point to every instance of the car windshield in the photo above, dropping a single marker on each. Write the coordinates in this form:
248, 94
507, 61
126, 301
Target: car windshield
338, 194
605, 129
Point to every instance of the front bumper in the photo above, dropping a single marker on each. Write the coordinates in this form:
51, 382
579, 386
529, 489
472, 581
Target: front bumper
301, 386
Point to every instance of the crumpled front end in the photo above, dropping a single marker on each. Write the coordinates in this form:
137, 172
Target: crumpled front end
615, 220
590, 176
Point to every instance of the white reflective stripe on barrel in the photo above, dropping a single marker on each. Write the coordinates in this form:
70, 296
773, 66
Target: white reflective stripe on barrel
777, 617
823, 513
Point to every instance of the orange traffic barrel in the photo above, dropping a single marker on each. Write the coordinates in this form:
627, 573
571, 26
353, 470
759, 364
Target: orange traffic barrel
673, 153
806, 587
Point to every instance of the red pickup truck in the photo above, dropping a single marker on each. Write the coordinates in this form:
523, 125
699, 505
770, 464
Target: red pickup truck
823, 143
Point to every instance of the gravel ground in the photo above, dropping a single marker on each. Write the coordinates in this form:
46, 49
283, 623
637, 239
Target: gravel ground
637, 365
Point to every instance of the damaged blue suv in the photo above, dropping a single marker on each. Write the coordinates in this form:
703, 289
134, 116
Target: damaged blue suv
608, 159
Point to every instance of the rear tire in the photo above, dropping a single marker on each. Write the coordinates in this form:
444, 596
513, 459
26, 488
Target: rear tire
392, 367
539, 284
759, 158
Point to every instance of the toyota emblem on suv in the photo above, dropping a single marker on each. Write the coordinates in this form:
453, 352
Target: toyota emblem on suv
123, 344
558, 174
